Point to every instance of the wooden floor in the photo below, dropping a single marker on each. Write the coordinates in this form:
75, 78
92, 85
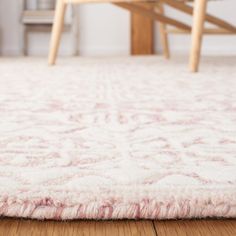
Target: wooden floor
15, 227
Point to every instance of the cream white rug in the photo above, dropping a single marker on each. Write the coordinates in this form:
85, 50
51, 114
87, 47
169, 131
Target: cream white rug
109, 138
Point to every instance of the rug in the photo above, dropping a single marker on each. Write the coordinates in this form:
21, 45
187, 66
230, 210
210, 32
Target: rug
115, 138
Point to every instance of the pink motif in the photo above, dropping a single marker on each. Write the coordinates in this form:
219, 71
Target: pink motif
113, 139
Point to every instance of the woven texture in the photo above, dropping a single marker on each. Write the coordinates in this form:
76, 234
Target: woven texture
117, 138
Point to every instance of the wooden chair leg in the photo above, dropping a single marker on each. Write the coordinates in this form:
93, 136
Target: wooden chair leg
197, 32
56, 31
163, 33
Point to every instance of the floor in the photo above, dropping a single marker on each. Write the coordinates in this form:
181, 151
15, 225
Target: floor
14, 227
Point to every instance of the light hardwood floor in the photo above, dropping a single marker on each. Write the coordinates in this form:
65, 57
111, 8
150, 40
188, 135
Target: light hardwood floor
16, 227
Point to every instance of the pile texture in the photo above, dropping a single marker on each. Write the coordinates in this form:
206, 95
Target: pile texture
112, 138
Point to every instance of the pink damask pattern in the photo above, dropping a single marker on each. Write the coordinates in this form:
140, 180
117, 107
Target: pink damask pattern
117, 138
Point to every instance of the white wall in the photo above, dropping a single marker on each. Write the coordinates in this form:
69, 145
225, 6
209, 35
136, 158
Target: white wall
104, 30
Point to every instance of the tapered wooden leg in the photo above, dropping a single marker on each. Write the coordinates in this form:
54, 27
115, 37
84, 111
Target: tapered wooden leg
163, 33
197, 32
56, 31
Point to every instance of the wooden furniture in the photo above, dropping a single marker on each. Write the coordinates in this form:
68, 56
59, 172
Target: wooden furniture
200, 16
154, 11
142, 32
141, 39
38, 20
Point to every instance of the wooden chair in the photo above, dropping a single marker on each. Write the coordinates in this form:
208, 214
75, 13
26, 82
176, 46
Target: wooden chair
140, 6
200, 16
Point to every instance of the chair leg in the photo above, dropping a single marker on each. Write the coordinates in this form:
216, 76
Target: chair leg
56, 31
163, 33
197, 32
